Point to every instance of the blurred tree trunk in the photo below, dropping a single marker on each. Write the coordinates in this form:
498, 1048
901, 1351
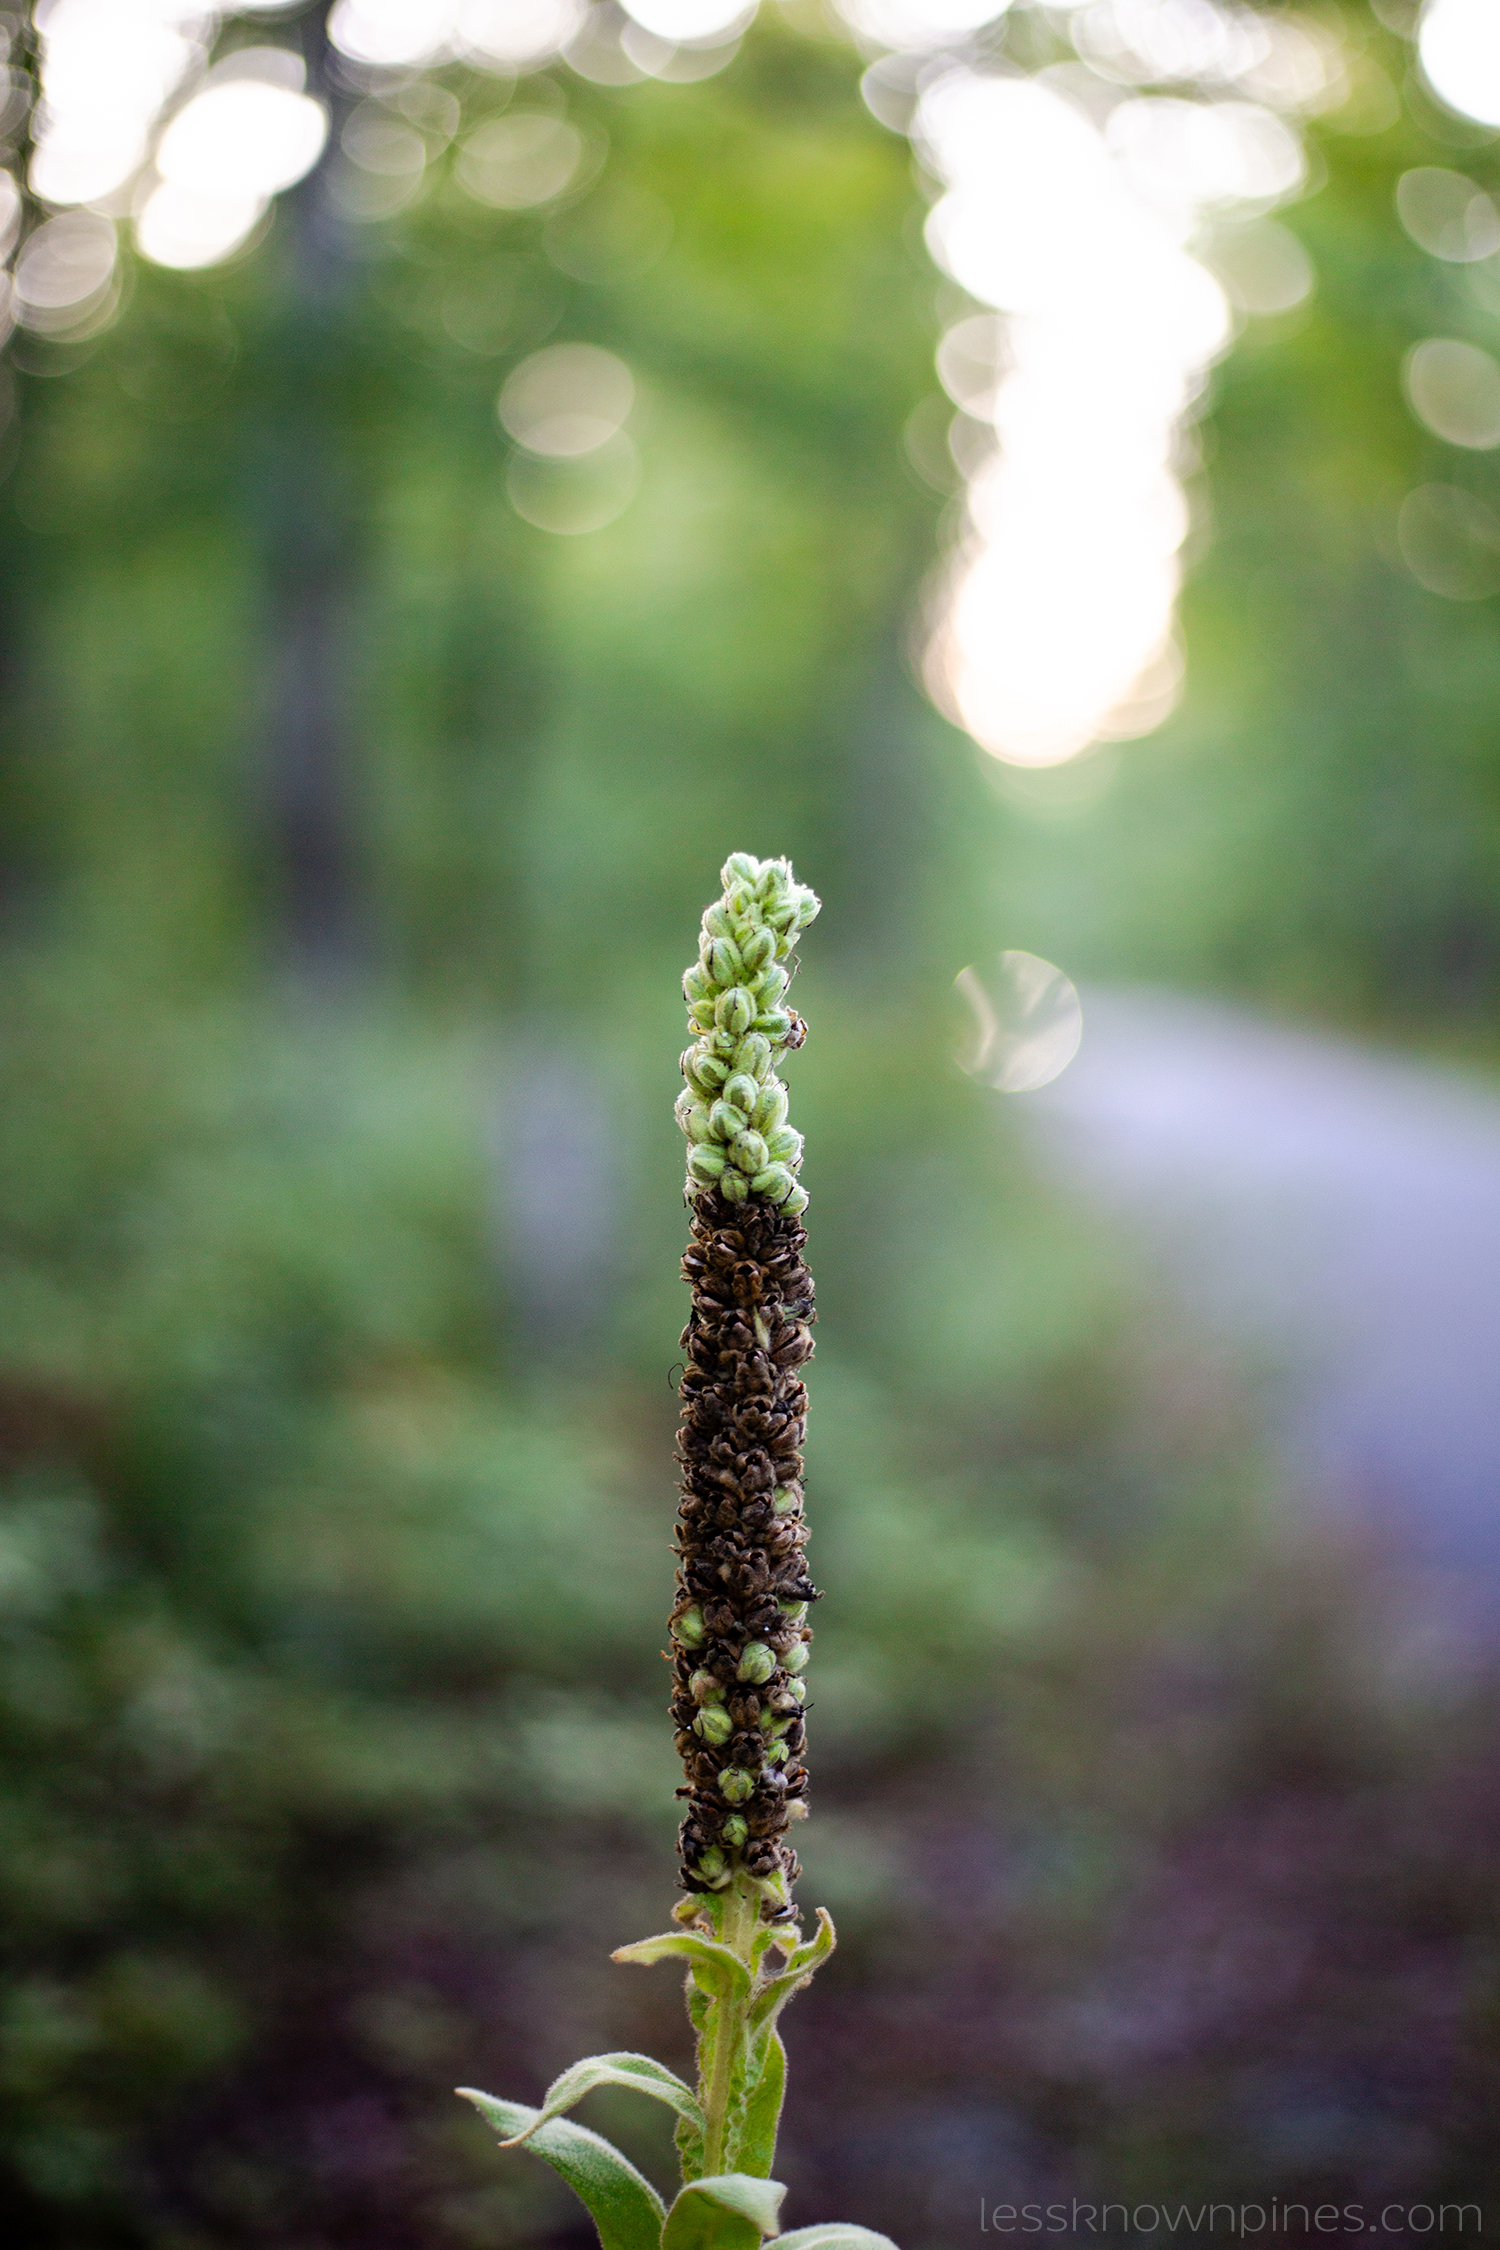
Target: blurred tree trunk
311, 776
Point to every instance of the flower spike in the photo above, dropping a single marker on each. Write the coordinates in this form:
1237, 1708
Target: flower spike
739, 1640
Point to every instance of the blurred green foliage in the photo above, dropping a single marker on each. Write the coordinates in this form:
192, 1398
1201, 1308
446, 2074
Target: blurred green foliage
335, 1402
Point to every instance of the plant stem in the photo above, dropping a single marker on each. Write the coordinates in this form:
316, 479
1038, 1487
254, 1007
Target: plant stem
738, 1916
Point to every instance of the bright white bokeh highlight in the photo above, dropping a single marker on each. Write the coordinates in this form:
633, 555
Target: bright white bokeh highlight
392, 34
243, 138
1459, 44
570, 495
916, 25
576, 468
1113, 213
107, 68
1447, 214
1056, 616
1023, 1022
495, 34
245, 135
525, 157
65, 272
1454, 388
516, 34
566, 400
685, 21
110, 71
176, 226
1262, 266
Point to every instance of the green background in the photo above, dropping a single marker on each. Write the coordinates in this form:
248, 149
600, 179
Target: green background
338, 1284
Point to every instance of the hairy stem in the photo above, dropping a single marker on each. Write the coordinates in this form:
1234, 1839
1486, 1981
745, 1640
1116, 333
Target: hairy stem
737, 1913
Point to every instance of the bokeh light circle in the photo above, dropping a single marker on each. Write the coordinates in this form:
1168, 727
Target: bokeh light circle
1023, 1022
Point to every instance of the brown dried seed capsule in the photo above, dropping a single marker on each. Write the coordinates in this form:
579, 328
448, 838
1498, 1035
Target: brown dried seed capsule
739, 1530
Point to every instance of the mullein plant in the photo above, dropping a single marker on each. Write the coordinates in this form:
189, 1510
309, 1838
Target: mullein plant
738, 1629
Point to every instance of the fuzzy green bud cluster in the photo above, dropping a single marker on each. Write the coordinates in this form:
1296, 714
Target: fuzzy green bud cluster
734, 1107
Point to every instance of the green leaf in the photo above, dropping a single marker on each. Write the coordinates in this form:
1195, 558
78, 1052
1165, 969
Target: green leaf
637, 2071
625, 2208
727, 2212
726, 1971
754, 2146
818, 1947
836, 2235
801, 1963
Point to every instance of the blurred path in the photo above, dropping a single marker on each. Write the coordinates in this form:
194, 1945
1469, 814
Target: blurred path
1339, 1209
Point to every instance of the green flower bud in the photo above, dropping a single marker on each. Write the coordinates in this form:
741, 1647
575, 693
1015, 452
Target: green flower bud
769, 1113
771, 1726
728, 966
735, 1785
796, 1611
773, 1181
796, 1658
741, 867
748, 1151
757, 1663
706, 1165
695, 986
770, 985
736, 1830
689, 1628
787, 1500
759, 952
712, 1868
798, 1688
776, 1753
739, 900
752, 1055
713, 1724
726, 1121
734, 1011
704, 1688
706, 1071
796, 1202
733, 1185
774, 1022
785, 1145
806, 904
715, 920
682, 1107
725, 1044
743, 1091
698, 1126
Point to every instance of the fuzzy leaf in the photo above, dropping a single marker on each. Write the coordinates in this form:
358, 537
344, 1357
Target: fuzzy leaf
637, 2071
727, 2212
836, 2234
801, 1963
754, 2148
818, 1947
726, 1971
625, 2208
